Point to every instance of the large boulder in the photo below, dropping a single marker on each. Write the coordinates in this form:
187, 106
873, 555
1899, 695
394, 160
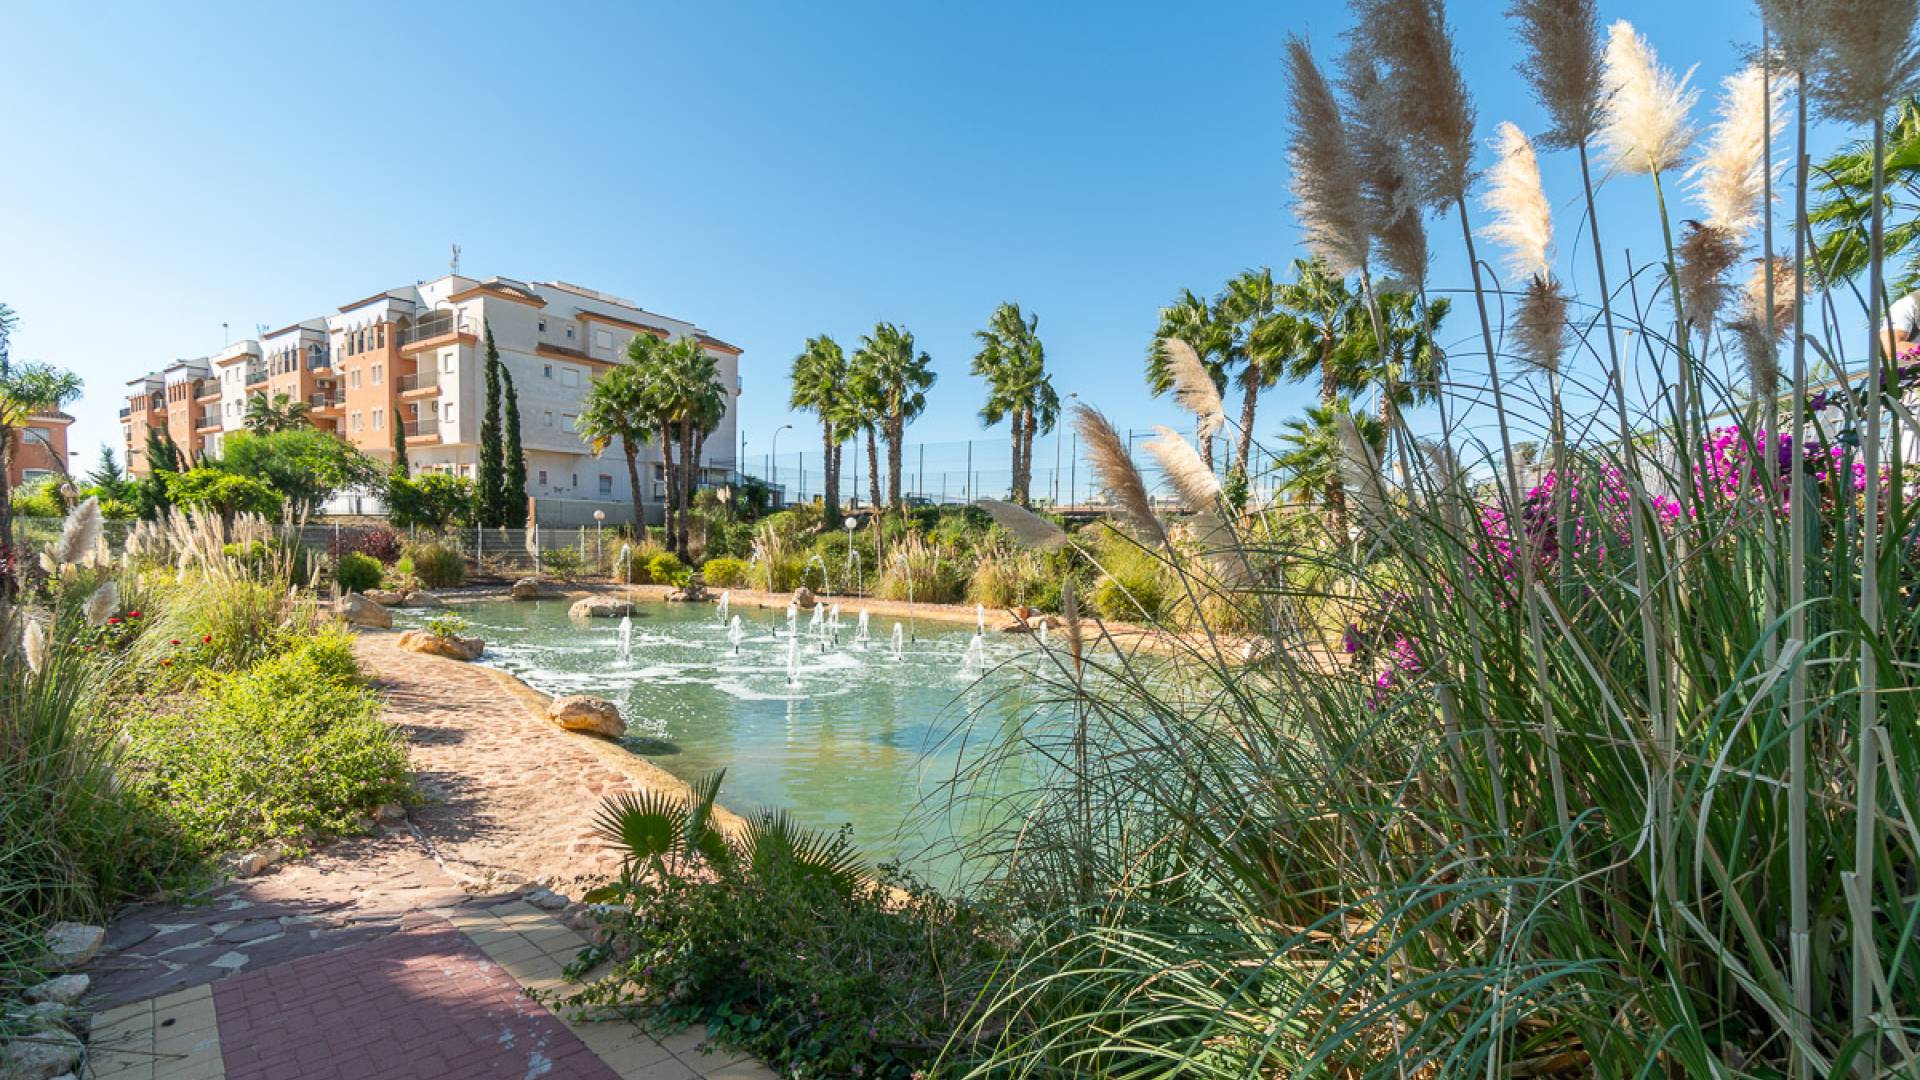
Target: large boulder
451, 646
803, 598
43, 1054
386, 597
70, 944
421, 598
580, 712
357, 610
530, 588
60, 990
599, 607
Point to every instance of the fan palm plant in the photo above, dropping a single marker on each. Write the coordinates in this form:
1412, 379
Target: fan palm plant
1263, 340
820, 387
617, 409
1019, 390
895, 376
1317, 324
279, 412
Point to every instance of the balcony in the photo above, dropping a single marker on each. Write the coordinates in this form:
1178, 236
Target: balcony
125, 411
208, 421
325, 404
420, 384
433, 328
209, 396
256, 375
422, 430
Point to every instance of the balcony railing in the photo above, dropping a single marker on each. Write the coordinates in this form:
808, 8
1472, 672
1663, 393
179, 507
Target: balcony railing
324, 401
126, 411
317, 361
425, 425
421, 380
209, 419
435, 325
256, 374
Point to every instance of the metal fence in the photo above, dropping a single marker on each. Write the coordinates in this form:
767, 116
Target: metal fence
959, 472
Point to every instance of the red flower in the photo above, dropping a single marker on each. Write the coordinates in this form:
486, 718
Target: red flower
133, 614
175, 641
168, 662
206, 639
113, 622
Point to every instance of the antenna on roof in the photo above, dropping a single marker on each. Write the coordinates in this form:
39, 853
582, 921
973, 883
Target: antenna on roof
259, 329
226, 338
453, 264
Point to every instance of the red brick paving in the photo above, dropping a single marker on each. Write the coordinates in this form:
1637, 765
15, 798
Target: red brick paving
423, 1003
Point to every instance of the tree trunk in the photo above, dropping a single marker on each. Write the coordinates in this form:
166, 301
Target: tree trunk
830, 479
1013, 485
1336, 491
691, 457
1249, 402
633, 478
873, 466
8, 559
896, 439
668, 502
1026, 458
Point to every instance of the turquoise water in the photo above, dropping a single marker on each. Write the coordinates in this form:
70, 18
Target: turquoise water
859, 736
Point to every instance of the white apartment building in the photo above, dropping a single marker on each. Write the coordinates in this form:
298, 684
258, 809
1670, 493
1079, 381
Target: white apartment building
415, 357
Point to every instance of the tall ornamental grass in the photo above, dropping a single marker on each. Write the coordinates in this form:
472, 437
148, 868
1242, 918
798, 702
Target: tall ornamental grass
1610, 769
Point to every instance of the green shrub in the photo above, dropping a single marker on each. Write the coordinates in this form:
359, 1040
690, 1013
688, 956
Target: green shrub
273, 560
448, 624
725, 572
563, 563
357, 572
1134, 588
290, 747
207, 625
437, 566
40, 499
665, 569
918, 572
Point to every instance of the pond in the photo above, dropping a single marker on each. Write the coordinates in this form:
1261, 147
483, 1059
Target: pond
837, 728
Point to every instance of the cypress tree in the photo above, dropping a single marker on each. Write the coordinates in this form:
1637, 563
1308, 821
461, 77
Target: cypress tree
490, 482
399, 471
513, 484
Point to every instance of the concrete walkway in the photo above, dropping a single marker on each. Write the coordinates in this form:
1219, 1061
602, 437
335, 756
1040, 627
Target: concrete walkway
409, 953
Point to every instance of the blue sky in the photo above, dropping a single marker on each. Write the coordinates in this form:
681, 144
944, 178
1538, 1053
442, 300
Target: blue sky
768, 171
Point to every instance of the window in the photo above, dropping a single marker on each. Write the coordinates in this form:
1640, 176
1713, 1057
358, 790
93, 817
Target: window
566, 420
353, 379
379, 374
543, 477
546, 371
543, 324
569, 377
355, 424
379, 419
549, 418
569, 333
576, 480
446, 360
606, 484
449, 416
602, 339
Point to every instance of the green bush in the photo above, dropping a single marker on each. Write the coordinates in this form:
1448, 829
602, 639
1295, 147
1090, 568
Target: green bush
725, 572
357, 572
40, 499
273, 560
207, 625
665, 569
563, 563
1134, 588
437, 566
289, 748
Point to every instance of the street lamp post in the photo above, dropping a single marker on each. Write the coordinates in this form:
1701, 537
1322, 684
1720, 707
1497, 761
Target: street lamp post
1059, 432
774, 458
599, 547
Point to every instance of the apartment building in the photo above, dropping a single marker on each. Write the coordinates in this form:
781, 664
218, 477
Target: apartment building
39, 449
414, 357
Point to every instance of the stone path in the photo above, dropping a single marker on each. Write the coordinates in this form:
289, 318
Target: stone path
407, 953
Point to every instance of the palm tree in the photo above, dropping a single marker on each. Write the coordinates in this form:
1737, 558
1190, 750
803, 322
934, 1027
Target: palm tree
1261, 344
279, 413
1309, 461
1192, 320
1846, 204
1408, 371
1014, 363
686, 401
1316, 324
820, 386
897, 378
26, 391
617, 407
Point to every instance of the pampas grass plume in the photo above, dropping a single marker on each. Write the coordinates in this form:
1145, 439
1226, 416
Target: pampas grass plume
1644, 123
1198, 487
1327, 198
1025, 526
1563, 65
1359, 466
1730, 178
1115, 471
102, 604
1522, 220
1430, 98
80, 536
1540, 324
33, 645
1193, 386
1867, 57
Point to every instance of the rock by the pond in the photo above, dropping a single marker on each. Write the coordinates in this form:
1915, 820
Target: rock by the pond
42, 1054
358, 610
546, 900
385, 597
803, 598
582, 712
421, 598
252, 863
60, 990
694, 592
451, 646
530, 588
70, 944
599, 607
391, 813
